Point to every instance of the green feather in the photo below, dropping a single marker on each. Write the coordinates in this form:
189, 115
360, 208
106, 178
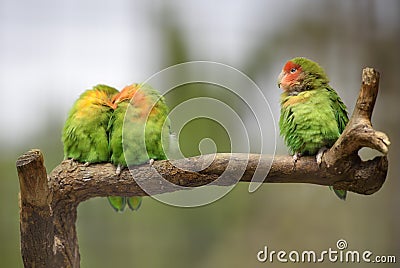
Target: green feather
313, 118
339, 193
315, 75
84, 134
134, 202
144, 137
313, 121
117, 203
138, 135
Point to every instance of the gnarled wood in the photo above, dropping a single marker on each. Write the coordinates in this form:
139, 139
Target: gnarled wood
359, 132
47, 222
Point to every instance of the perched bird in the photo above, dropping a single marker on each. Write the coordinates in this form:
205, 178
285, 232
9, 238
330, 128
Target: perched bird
138, 129
312, 114
84, 135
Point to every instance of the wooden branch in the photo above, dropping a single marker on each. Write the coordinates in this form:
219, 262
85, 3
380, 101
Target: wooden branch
359, 132
35, 212
49, 203
80, 182
47, 224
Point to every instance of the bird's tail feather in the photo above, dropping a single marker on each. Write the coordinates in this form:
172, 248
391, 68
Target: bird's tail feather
339, 193
118, 203
134, 202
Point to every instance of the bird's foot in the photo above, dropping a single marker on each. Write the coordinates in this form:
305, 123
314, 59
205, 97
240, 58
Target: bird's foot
72, 165
319, 155
71, 162
151, 162
296, 157
118, 170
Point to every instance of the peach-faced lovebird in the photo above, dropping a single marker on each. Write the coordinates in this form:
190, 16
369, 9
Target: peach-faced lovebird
139, 128
312, 114
84, 135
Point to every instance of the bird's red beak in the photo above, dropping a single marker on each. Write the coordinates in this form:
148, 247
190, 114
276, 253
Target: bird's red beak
280, 77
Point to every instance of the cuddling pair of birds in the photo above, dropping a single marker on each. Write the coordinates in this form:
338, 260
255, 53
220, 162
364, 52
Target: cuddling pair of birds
312, 119
94, 131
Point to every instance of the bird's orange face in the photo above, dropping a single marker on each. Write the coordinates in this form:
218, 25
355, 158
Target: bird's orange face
126, 94
291, 77
136, 97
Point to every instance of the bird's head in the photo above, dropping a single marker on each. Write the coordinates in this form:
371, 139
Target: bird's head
301, 74
126, 93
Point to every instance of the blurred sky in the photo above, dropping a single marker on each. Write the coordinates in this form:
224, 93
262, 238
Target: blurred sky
51, 51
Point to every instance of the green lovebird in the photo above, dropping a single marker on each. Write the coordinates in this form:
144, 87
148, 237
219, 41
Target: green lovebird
84, 135
312, 114
139, 128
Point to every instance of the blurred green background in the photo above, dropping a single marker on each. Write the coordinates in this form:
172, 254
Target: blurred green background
51, 51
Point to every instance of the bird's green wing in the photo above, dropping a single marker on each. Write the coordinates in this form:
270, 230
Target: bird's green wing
339, 108
84, 135
342, 119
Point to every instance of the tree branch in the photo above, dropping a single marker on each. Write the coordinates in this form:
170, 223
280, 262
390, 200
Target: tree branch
49, 203
47, 221
359, 132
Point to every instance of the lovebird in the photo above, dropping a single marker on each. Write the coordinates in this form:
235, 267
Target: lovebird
85, 135
139, 132
312, 114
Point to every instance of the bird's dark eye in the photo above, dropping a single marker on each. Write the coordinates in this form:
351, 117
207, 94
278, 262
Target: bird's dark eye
293, 70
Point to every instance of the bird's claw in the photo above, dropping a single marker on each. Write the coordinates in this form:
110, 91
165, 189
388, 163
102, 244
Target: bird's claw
296, 157
71, 162
151, 162
319, 155
118, 170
